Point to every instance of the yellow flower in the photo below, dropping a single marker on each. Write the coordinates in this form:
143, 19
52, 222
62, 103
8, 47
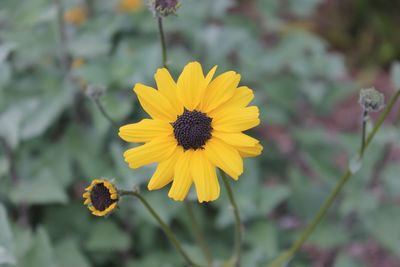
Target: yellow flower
77, 63
76, 15
129, 5
101, 196
196, 125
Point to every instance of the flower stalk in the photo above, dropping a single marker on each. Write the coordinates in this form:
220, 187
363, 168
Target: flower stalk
162, 41
198, 233
364, 131
238, 224
167, 230
287, 255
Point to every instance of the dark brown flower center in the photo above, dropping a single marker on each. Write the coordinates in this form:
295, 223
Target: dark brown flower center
192, 129
101, 197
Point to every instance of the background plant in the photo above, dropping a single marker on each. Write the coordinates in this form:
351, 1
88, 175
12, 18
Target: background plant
55, 140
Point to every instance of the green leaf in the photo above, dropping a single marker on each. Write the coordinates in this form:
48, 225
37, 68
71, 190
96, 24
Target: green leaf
344, 260
272, 196
395, 74
106, 236
328, 235
89, 45
41, 252
381, 226
263, 237
390, 180
43, 190
12, 118
358, 201
50, 108
68, 254
6, 239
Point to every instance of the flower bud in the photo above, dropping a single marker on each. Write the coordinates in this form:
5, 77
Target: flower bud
164, 8
101, 197
371, 100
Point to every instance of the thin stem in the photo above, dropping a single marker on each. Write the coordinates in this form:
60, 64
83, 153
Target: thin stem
238, 223
63, 42
103, 111
198, 233
162, 41
364, 131
11, 161
287, 255
167, 230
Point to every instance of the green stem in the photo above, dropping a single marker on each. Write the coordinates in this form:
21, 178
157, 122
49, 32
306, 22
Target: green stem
167, 230
364, 131
63, 39
103, 111
198, 233
162, 40
287, 255
238, 224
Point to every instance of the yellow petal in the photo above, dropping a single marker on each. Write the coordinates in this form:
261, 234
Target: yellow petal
191, 85
99, 213
249, 152
236, 120
204, 177
145, 130
220, 90
165, 170
89, 188
154, 151
86, 195
97, 181
182, 178
167, 87
236, 139
240, 99
154, 103
225, 157
111, 207
87, 201
210, 74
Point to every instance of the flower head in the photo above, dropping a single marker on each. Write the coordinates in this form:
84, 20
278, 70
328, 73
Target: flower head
196, 125
101, 196
164, 8
77, 63
129, 5
76, 15
371, 100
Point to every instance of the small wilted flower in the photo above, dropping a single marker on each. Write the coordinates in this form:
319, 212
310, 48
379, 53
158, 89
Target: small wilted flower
164, 8
101, 197
129, 5
76, 15
371, 100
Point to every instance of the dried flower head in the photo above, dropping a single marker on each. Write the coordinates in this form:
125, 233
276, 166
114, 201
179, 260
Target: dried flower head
164, 8
101, 196
371, 100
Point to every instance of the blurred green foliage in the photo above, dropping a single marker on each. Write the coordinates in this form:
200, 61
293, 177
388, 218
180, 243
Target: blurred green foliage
55, 140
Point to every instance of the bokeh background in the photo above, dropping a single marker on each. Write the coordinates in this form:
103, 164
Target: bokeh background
306, 61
